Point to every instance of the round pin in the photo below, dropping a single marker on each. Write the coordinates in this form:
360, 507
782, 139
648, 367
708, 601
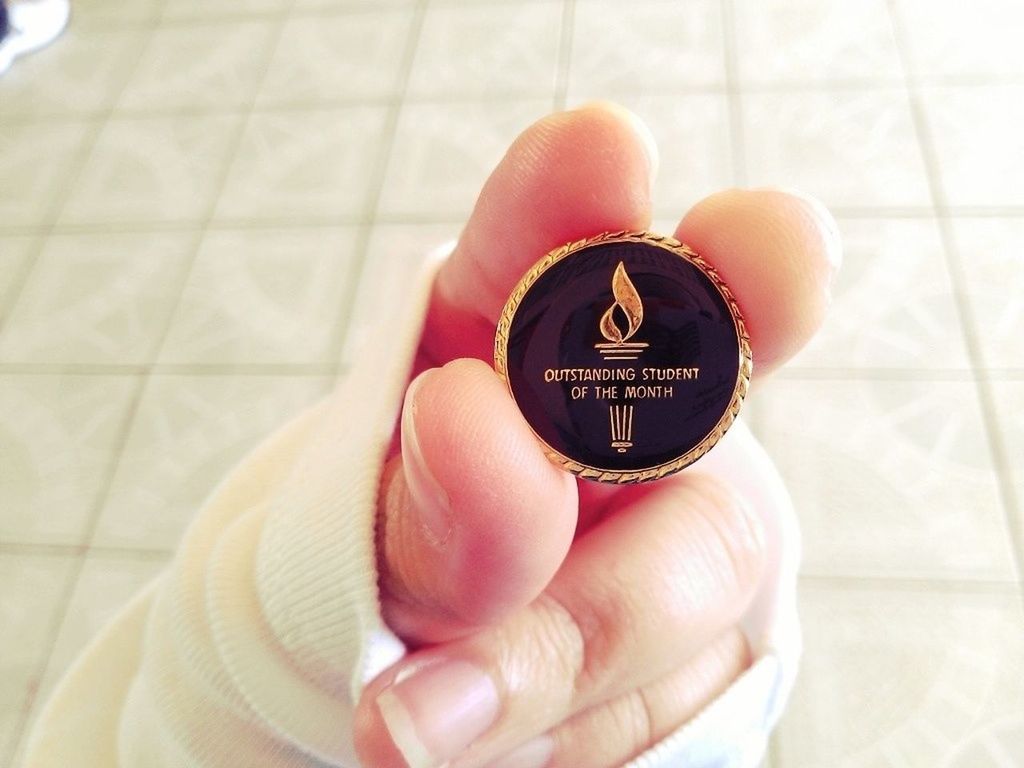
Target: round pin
627, 355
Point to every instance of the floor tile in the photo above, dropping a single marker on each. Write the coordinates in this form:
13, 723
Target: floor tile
393, 252
348, 5
443, 153
648, 44
324, 59
494, 49
1009, 402
849, 148
692, 133
902, 678
264, 296
305, 164
107, 14
991, 252
37, 160
81, 73
28, 609
979, 144
152, 169
175, 10
15, 253
889, 478
200, 66
948, 39
58, 438
791, 41
188, 432
893, 304
97, 298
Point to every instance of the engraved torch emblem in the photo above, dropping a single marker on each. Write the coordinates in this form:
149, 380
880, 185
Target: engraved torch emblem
621, 418
627, 301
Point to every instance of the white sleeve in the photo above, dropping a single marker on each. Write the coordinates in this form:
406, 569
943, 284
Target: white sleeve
252, 647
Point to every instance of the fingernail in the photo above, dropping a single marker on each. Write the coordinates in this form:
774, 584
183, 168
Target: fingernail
535, 753
432, 503
642, 130
438, 710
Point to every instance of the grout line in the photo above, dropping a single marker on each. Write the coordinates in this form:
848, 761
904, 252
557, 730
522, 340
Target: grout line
40, 549
737, 136
909, 584
134, 401
1012, 514
375, 187
564, 62
168, 369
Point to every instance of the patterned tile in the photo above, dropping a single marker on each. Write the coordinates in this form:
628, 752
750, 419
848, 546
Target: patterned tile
14, 255
850, 148
443, 153
260, 296
105, 14
58, 438
188, 432
200, 9
1009, 397
82, 73
992, 254
315, 163
152, 169
893, 302
903, 678
889, 478
199, 66
321, 59
28, 607
806, 40
630, 47
493, 49
37, 160
692, 133
96, 299
979, 143
393, 250
950, 39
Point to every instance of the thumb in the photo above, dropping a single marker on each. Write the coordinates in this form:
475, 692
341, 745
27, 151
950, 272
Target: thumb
473, 520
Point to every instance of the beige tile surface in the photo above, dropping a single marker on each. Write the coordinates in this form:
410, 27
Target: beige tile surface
349, 55
96, 298
187, 67
15, 253
308, 164
903, 677
83, 75
853, 148
489, 49
37, 162
893, 304
59, 437
891, 479
626, 47
152, 169
264, 296
188, 432
992, 254
789, 41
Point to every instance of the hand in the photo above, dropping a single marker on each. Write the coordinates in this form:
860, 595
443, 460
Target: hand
557, 622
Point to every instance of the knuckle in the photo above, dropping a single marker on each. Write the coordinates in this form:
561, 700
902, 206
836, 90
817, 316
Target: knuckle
731, 536
572, 639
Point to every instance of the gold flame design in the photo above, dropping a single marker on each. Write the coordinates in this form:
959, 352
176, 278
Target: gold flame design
628, 300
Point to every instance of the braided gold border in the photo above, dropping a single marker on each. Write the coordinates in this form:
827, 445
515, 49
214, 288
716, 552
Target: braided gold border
742, 378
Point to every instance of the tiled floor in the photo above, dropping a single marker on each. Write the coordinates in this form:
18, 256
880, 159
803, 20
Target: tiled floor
200, 198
